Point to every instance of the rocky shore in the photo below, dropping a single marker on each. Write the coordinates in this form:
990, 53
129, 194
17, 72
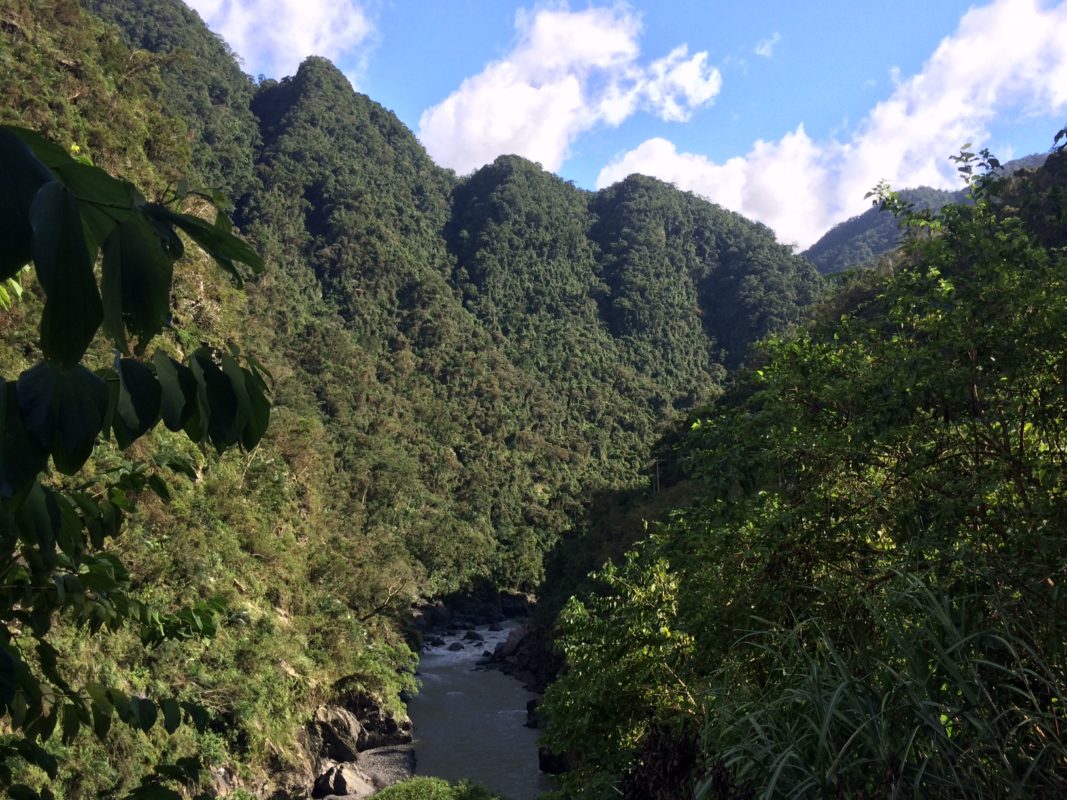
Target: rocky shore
354, 748
357, 749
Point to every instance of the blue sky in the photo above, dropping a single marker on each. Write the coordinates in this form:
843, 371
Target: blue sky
785, 111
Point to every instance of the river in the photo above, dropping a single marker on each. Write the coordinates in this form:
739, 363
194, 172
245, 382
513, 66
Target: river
469, 721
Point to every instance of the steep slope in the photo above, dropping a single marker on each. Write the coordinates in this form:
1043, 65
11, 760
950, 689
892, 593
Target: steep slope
475, 475
861, 240
212, 98
458, 366
859, 594
678, 267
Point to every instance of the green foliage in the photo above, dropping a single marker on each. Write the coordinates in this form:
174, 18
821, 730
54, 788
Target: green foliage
424, 435
625, 657
863, 239
62, 213
201, 84
919, 695
435, 789
869, 572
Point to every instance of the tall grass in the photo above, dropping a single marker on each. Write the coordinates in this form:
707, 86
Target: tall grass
920, 694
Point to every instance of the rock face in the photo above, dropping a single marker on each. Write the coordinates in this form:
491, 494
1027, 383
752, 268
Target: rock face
526, 657
337, 730
343, 780
379, 729
357, 748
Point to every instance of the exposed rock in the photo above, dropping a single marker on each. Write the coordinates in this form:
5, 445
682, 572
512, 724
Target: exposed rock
509, 647
515, 605
528, 658
344, 780
224, 780
437, 615
337, 731
341, 741
388, 765
496, 628
378, 728
473, 636
436, 641
455, 646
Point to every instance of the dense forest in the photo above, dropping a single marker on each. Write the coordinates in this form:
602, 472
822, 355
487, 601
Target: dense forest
457, 367
792, 540
860, 594
863, 239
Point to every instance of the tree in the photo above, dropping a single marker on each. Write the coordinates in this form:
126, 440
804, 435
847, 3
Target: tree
66, 216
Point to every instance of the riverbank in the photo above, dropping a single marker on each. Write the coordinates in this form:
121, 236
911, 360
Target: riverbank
470, 718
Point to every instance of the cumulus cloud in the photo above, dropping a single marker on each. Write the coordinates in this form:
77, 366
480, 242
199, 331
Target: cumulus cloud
765, 48
568, 72
272, 37
1007, 57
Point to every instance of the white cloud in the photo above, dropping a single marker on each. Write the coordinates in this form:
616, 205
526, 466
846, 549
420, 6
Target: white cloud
274, 36
1007, 57
765, 48
676, 84
568, 73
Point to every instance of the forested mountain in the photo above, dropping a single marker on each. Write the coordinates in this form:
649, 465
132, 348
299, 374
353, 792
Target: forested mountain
458, 366
863, 239
827, 536
858, 593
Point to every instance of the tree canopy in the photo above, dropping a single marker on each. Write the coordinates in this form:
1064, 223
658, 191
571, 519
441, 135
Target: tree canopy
861, 597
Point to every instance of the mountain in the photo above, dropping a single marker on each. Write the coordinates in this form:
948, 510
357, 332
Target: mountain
459, 365
863, 239
861, 570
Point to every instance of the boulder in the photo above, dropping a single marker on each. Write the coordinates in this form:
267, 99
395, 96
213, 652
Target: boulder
343, 780
337, 731
378, 728
512, 644
456, 646
473, 636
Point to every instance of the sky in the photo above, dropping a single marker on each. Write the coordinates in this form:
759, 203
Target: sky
788, 112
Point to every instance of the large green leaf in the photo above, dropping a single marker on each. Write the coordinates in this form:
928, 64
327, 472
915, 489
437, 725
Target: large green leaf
50, 153
179, 385
64, 410
258, 411
138, 406
39, 521
232, 370
136, 281
217, 399
221, 245
104, 201
96, 186
21, 176
172, 715
22, 456
72, 311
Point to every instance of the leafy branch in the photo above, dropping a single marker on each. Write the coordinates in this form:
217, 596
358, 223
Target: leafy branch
67, 216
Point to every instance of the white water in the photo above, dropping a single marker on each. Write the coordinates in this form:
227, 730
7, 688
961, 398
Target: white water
469, 721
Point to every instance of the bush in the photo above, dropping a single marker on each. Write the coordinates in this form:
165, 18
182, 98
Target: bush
435, 789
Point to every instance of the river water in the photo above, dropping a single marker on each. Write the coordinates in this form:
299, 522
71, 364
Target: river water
469, 720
